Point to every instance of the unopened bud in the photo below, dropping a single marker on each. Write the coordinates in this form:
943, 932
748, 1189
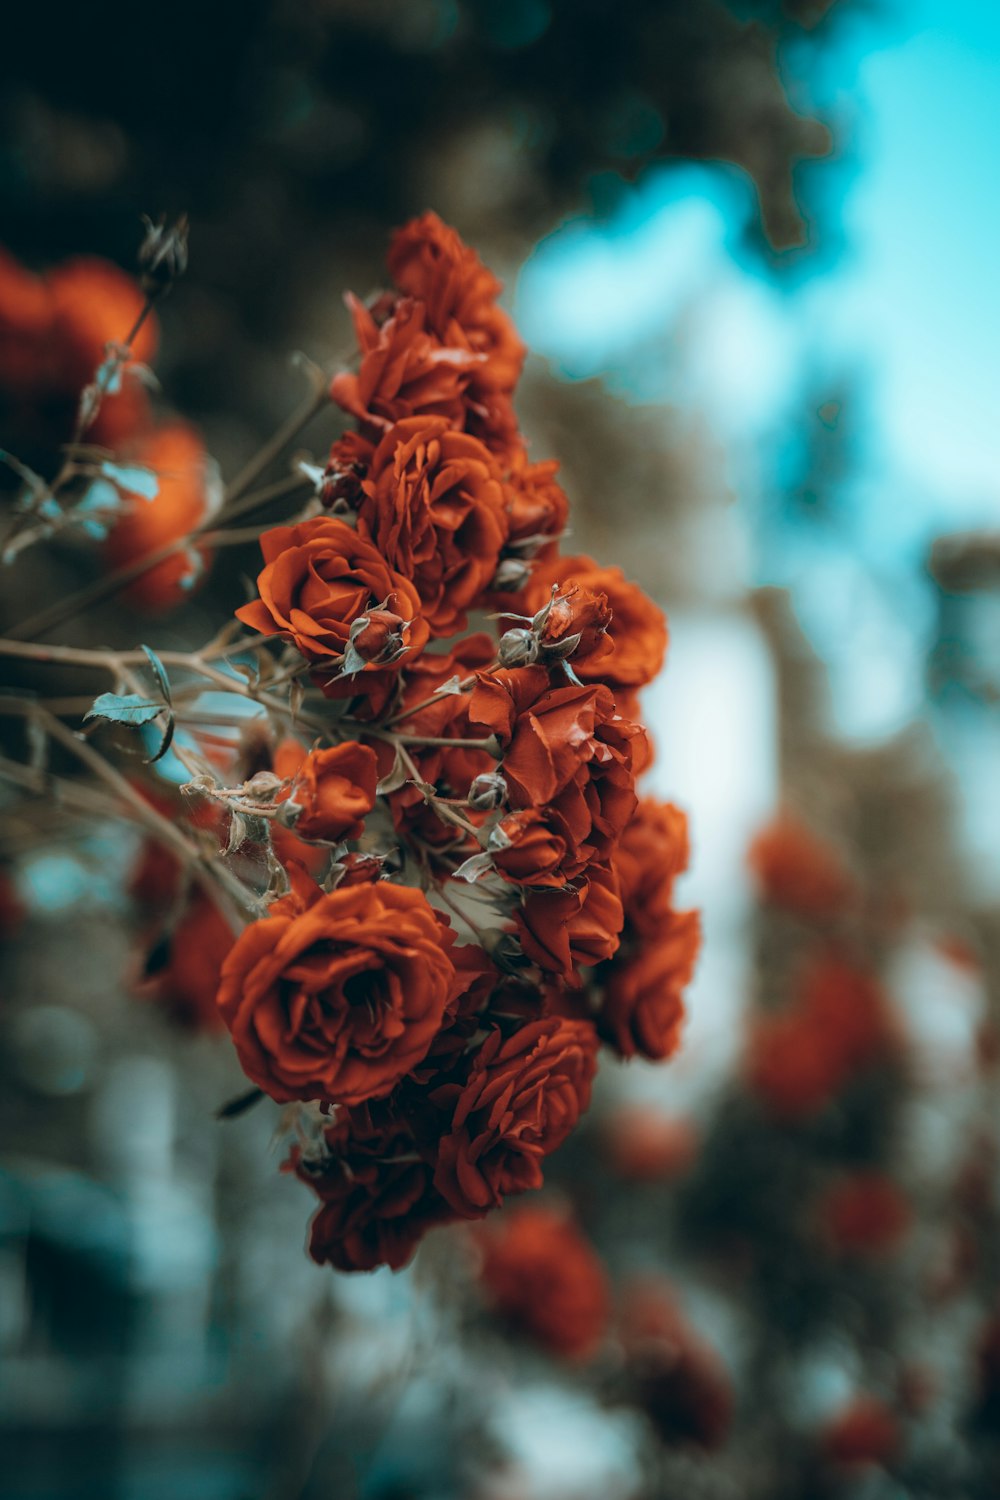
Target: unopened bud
378, 636
487, 791
163, 254
560, 650
518, 648
340, 486
511, 576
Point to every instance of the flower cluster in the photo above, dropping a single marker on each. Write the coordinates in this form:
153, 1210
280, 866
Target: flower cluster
486, 899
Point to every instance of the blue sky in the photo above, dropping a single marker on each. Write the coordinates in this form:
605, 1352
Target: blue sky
911, 305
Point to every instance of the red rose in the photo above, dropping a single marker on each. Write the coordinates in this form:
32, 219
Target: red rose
801, 1058
677, 1379
652, 851
428, 260
339, 999
582, 925
865, 1214
795, 869
320, 579
188, 977
633, 650
527, 850
538, 510
521, 1099
177, 455
567, 753
642, 1005
539, 1272
378, 1198
432, 503
335, 788
404, 371
865, 1432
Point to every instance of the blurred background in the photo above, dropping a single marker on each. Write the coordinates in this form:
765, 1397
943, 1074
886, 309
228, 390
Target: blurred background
753, 248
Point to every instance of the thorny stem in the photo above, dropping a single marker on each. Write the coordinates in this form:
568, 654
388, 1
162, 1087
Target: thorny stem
111, 583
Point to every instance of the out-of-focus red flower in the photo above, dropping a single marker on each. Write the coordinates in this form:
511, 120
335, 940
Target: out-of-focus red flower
865, 1214
645, 1145
177, 455
675, 1377
520, 1100
540, 1273
987, 1374
801, 1058
338, 996
11, 907
197, 948
335, 788
653, 850
797, 870
94, 303
865, 1432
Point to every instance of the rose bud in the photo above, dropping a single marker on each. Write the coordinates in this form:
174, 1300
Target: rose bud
378, 635
511, 576
574, 621
526, 850
487, 791
518, 648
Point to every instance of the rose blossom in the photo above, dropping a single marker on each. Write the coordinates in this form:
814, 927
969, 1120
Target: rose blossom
520, 1100
633, 651
542, 1275
377, 1194
432, 503
338, 996
320, 577
334, 788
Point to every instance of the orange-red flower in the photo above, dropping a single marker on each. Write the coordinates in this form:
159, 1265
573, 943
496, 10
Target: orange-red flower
677, 1379
632, 651
540, 1274
432, 503
642, 1002
340, 998
335, 788
653, 850
567, 753
579, 925
801, 1058
405, 371
320, 581
428, 260
645, 1145
797, 870
378, 1198
537, 507
522, 1097
187, 981
53, 333
177, 455
865, 1432
865, 1214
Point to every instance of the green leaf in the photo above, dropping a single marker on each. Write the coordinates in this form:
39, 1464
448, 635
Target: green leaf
124, 708
165, 743
159, 672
